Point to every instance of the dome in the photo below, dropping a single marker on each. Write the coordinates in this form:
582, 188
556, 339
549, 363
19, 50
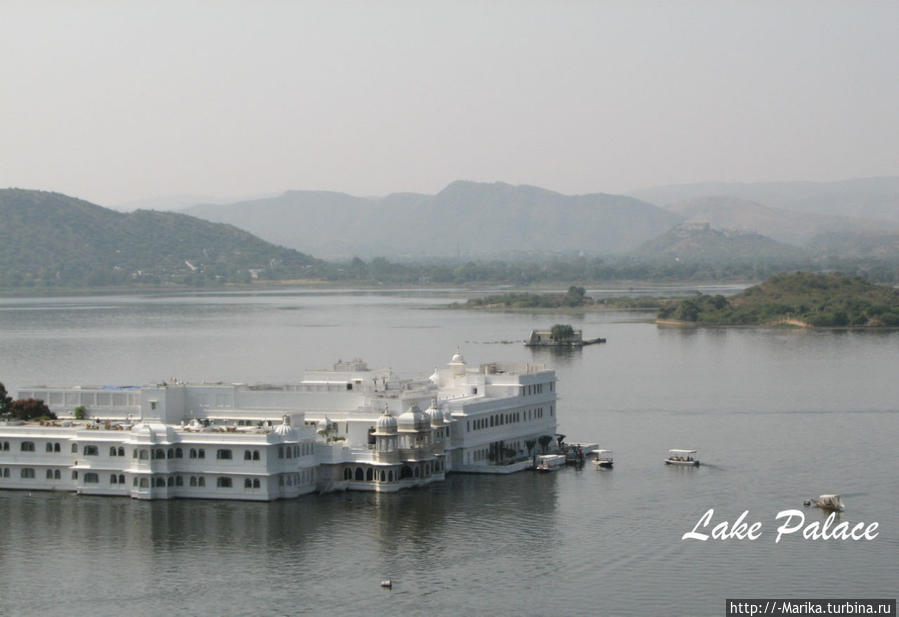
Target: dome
457, 358
386, 424
143, 430
435, 417
413, 420
286, 432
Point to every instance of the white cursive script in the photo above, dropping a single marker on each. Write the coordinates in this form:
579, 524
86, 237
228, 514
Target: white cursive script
740, 529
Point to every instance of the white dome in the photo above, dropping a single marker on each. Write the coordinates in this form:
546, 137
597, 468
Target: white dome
435, 417
457, 358
413, 420
386, 424
143, 429
286, 432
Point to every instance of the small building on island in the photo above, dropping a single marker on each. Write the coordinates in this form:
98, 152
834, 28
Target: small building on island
545, 338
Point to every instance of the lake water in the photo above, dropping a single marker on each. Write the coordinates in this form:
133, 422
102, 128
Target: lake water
777, 415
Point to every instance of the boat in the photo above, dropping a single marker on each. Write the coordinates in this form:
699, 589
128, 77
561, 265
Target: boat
549, 462
831, 503
603, 459
685, 458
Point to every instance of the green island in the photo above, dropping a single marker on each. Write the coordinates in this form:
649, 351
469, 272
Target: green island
574, 298
799, 299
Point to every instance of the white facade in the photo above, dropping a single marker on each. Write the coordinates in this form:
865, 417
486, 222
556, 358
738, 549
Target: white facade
348, 428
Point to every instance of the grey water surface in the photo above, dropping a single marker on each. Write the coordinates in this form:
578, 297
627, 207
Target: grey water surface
777, 415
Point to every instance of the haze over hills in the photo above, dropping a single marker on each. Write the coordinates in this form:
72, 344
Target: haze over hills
700, 243
866, 198
466, 219
49, 238
726, 212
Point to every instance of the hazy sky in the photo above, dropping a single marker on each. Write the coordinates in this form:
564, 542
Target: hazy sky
118, 101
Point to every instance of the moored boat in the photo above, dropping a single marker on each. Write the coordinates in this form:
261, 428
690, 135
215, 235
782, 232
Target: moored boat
603, 459
549, 462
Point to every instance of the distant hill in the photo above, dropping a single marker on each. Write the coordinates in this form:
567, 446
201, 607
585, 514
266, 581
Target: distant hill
856, 245
52, 239
700, 243
867, 198
466, 219
726, 212
801, 298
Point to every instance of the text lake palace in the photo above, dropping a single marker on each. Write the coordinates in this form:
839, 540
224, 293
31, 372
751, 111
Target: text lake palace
348, 428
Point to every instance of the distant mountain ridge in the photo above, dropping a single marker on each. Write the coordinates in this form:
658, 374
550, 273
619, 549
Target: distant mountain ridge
465, 219
48, 238
866, 198
700, 243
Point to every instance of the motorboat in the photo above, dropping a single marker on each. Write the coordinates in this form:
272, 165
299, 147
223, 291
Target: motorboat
685, 458
549, 462
831, 503
603, 459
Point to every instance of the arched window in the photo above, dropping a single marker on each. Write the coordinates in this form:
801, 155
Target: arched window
382, 476
247, 483
113, 479
192, 453
160, 454
359, 474
280, 451
49, 474
390, 476
247, 455
347, 474
121, 451
288, 452
223, 454
369, 475
56, 474
121, 478
193, 480
49, 447
144, 483
134, 453
27, 446
91, 451
179, 453
170, 453
223, 482
91, 478
255, 455
179, 481
144, 455
406, 472
6, 445
171, 481
74, 475
201, 453
160, 482
256, 483
113, 451
75, 448
26, 472
201, 482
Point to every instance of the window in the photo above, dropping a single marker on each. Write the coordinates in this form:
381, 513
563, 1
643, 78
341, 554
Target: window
192, 453
134, 453
280, 451
171, 481
144, 483
113, 479
201, 453
255, 455
27, 446
179, 453
256, 483
91, 478
49, 447
223, 454
6, 445
179, 481
74, 475
193, 480
91, 451
171, 453
49, 474
144, 455
113, 451
56, 474
121, 451
75, 448
223, 482
160, 453
201, 481
121, 478
6, 472
247, 455
26, 472
160, 482
247, 483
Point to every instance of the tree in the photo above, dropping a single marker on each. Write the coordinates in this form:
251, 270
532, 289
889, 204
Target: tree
80, 412
5, 400
561, 332
545, 441
31, 409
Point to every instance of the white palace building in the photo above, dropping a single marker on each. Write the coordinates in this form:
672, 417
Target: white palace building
350, 428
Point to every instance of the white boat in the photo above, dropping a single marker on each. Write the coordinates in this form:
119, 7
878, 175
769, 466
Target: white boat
549, 462
603, 459
832, 503
686, 458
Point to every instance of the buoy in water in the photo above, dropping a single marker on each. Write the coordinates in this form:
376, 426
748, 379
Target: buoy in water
387, 583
